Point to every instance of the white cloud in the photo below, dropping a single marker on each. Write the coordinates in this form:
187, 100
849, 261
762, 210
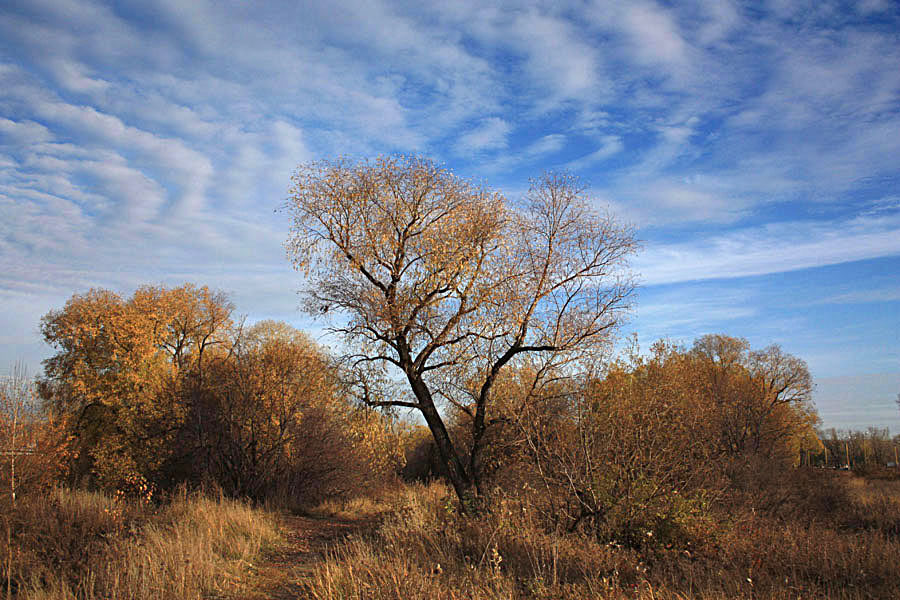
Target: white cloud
881, 206
683, 313
688, 200
548, 144
872, 6
189, 169
719, 19
655, 34
139, 198
610, 145
772, 248
22, 133
72, 77
864, 296
561, 63
649, 40
489, 134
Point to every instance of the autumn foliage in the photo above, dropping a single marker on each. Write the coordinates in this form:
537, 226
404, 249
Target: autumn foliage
639, 450
489, 324
443, 284
166, 387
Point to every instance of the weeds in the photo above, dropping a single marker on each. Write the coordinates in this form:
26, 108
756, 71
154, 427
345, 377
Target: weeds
86, 546
828, 535
424, 549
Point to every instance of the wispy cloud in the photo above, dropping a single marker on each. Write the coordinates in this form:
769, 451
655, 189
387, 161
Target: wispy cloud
489, 134
610, 145
24, 133
772, 248
152, 141
871, 296
548, 144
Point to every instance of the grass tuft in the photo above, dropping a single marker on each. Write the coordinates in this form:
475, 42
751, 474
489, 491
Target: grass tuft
86, 546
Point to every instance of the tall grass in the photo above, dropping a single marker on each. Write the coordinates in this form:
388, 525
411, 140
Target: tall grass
425, 550
86, 546
366, 507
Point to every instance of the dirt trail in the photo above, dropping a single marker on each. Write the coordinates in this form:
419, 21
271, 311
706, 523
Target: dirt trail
281, 573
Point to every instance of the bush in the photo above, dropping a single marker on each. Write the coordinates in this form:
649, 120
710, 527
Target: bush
629, 457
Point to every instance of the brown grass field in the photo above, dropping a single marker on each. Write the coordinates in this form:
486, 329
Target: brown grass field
841, 541
76, 544
831, 535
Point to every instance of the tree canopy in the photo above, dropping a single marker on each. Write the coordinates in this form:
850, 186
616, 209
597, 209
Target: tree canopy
165, 387
433, 275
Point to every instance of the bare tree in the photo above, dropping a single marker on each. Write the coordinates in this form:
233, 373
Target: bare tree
437, 278
17, 410
32, 443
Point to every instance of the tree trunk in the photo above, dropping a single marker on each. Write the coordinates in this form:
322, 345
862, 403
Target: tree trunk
462, 481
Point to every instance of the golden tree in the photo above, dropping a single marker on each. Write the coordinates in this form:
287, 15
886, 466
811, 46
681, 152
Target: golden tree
436, 278
762, 398
163, 386
125, 370
629, 453
641, 448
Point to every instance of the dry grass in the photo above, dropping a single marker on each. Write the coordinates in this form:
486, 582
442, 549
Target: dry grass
80, 545
875, 504
425, 550
355, 508
837, 539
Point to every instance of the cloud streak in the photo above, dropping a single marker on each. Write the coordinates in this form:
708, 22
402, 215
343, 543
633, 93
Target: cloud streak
151, 141
774, 248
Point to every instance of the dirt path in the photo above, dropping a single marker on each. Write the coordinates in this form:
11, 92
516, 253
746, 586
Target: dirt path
282, 571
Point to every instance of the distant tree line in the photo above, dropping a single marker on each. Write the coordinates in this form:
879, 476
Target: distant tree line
871, 448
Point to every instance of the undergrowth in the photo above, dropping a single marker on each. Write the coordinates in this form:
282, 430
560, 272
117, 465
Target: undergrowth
85, 545
425, 549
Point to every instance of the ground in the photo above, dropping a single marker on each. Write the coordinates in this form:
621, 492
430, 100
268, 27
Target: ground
282, 571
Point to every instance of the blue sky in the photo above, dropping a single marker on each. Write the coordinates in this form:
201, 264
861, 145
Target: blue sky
755, 147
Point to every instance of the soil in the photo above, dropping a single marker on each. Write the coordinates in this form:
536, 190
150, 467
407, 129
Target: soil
282, 572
